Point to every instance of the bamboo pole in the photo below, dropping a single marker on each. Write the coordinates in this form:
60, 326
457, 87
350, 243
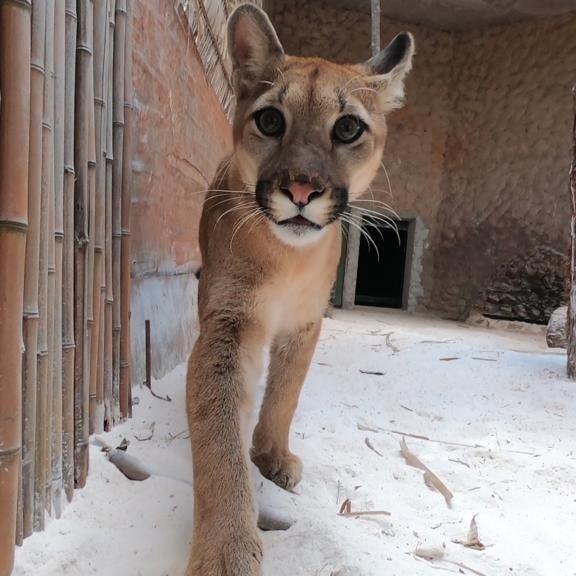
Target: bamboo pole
572, 303
90, 263
15, 37
103, 242
118, 145
109, 403
42, 421
100, 32
49, 171
89, 286
81, 214
31, 313
99, 422
125, 341
68, 344
59, 114
20, 509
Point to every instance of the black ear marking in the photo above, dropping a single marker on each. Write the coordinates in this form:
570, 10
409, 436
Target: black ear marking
398, 52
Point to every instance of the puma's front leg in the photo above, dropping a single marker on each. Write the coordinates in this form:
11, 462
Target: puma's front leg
290, 359
223, 369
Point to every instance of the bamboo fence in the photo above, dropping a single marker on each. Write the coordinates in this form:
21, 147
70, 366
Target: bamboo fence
66, 140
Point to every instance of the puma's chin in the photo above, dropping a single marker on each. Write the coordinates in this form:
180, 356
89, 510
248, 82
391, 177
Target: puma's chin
297, 233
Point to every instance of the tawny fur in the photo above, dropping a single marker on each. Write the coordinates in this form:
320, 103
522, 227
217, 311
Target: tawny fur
259, 290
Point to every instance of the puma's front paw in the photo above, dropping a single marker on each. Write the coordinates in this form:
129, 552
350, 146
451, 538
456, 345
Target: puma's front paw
237, 553
284, 469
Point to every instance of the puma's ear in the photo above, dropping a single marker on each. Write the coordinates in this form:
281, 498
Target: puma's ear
388, 70
252, 44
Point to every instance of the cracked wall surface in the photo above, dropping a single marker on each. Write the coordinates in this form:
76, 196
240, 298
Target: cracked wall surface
181, 136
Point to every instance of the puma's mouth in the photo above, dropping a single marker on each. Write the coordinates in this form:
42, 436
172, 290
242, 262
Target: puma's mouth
300, 220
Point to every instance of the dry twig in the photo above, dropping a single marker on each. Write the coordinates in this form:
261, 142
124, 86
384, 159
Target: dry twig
370, 445
390, 345
346, 511
430, 478
436, 556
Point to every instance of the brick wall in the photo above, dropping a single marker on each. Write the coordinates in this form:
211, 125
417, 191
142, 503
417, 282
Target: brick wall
181, 134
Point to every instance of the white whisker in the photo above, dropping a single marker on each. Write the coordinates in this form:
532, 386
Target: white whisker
233, 209
366, 88
225, 171
379, 215
243, 221
257, 221
387, 207
387, 178
365, 222
350, 81
364, 233
211, 206
220, 190
389, 223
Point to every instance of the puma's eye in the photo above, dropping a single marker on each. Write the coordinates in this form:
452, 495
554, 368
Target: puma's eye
348, 129
270, 122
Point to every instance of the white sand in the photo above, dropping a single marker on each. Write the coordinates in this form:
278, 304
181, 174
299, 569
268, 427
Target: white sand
501, 392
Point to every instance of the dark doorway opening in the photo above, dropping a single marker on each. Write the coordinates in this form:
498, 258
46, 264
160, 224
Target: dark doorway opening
382, 275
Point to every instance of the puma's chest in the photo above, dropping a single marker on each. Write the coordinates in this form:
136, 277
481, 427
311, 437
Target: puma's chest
298, 293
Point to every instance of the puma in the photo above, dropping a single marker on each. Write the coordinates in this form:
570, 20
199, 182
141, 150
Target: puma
308, 139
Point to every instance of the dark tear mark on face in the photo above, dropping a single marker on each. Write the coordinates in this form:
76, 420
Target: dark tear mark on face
341, 100
282, 93
263, 190
313, 76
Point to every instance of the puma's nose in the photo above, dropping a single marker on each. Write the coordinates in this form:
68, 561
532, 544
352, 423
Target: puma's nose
301, 193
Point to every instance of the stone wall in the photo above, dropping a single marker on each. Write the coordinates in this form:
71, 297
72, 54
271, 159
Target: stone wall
505, 209
479, 156
181, 136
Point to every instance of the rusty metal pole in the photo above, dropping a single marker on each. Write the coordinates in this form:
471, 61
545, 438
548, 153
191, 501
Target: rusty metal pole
148, 356
352, 252
375, 26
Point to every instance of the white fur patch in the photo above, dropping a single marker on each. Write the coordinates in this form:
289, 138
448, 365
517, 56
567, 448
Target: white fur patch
296, 236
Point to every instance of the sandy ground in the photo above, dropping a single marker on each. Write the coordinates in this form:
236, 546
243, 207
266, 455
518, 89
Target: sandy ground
496, 407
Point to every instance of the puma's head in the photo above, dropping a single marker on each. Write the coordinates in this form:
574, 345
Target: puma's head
308, 133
